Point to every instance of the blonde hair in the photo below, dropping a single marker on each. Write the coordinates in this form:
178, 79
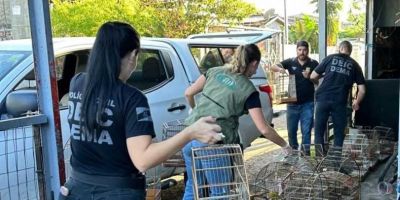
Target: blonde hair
244, 55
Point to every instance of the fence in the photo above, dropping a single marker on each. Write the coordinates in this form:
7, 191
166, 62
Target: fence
21, 171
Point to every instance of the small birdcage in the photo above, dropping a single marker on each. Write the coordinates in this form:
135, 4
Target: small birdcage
357, 147
336, 160
285, 88
170, 129
338, 185
153, 184
269, 180
219, 173
303, 185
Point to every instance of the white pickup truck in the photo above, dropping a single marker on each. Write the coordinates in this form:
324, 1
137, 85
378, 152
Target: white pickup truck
165, 69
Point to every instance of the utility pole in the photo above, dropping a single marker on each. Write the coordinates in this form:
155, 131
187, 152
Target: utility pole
286, 22
286, 31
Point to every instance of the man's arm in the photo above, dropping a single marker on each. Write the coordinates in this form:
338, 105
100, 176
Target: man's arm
194, 89
278, 68
359, 97
315, 77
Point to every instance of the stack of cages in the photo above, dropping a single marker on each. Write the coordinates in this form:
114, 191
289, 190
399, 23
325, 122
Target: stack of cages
362, 145
170, 129
153, 186
219, 173
285, 88
309, 174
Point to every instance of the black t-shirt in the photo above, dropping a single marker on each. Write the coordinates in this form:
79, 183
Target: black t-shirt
341, 71
104, 152
304, 87
253, 101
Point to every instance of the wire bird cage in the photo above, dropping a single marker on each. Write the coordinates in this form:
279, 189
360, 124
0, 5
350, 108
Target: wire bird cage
357, 147
269, 182
285, 88
170, 129
386, 142
219, 173
153, 186
304, 185
299, 161
338, 185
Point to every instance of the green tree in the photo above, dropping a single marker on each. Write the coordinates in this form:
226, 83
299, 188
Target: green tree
305, 28
175, 18
83, 17
356, 18
184, 17
332, 16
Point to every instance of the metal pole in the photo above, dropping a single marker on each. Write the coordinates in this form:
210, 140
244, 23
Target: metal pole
286, 32
322, 29
43, 55
370, 39
286, 23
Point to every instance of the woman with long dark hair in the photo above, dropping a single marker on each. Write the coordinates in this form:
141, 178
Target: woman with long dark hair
111, 125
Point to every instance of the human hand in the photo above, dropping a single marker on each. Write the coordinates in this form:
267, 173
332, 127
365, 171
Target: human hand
306, 72
205, 130
287, 150
355, 106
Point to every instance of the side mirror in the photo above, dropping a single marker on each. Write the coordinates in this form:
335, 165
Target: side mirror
20, 102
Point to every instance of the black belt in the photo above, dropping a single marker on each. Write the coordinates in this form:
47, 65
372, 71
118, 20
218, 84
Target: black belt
137, 181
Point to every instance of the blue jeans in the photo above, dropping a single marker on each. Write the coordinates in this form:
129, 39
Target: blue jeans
79, 190
208, 177
303, 113
338, 114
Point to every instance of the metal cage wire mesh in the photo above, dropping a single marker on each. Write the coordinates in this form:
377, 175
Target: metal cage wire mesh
310, 175
285, 88
153, 186
219, 173
269, 182
303, 185
169, 130
18, 177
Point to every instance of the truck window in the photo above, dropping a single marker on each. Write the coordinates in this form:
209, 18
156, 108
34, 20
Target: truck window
10, 59
151, 70
207, 58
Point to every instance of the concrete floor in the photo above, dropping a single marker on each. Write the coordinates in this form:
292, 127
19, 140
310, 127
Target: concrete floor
369, 187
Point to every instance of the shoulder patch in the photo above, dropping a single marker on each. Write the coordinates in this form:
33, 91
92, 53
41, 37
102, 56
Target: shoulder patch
143, 114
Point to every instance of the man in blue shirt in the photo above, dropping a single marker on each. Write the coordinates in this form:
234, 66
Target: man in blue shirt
339, 71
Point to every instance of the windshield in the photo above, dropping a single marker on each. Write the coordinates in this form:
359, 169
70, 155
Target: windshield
10, 59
